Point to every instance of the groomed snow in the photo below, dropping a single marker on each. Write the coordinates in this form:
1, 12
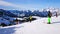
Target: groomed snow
38, 26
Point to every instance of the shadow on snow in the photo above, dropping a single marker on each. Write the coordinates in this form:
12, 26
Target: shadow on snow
9, 30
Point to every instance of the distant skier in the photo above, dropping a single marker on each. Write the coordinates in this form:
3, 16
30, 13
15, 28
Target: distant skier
56, 14
49, 17
30, 18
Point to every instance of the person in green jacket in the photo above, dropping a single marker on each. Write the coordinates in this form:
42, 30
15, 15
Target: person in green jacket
49, 17
30, 18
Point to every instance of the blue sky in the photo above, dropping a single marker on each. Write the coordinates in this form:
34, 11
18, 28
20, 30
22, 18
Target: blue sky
29, 4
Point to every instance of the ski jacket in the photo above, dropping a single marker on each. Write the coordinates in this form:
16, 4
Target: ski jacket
49, 14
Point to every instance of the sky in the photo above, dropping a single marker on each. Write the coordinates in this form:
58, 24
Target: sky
29, 4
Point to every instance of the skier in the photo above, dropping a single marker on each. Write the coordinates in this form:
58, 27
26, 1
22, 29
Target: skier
56, 14
49, 17
30, 18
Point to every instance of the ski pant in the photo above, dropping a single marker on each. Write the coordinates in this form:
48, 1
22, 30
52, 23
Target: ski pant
49, 20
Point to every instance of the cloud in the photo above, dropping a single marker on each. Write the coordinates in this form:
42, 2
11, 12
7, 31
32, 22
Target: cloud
4, 3
23, 7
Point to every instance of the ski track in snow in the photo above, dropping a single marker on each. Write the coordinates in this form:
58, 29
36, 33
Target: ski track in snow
38, 26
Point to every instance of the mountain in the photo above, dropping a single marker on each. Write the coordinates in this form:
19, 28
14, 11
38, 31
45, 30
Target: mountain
27, 13
6, 17
4, 12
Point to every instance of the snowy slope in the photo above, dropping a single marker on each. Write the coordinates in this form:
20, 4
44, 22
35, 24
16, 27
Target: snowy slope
38, 26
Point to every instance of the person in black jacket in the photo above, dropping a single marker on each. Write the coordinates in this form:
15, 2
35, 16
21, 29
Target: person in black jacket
49, 17
56, 14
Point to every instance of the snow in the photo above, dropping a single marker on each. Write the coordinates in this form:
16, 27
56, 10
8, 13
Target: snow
38, 26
